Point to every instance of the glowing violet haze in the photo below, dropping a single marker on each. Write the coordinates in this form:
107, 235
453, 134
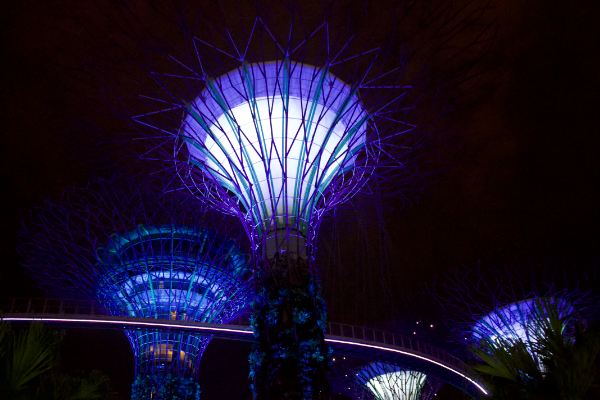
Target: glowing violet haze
275, 135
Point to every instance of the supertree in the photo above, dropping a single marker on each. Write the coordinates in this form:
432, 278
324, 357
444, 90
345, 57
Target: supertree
362, 380
138, 252
278, 113
511, 305
523, 321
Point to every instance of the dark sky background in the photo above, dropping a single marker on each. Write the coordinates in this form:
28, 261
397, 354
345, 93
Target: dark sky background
525, 176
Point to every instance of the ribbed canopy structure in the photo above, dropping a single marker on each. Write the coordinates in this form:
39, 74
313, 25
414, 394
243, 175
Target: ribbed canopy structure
390, 382
278, 113
143, 253
519, 321
171, 272
276, 134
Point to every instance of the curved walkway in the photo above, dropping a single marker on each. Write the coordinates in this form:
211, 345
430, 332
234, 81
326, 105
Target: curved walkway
355, 341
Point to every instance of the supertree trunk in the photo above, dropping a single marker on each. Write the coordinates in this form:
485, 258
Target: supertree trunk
290, 358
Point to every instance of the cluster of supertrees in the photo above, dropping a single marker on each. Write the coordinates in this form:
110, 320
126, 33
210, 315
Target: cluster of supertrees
275, 117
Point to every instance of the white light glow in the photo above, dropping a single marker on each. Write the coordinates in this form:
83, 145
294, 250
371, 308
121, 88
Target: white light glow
153, 324
478, 385
398, 385
518, 321
278, 139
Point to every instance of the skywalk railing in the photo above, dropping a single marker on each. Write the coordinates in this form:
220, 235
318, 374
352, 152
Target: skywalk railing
354, 339
393, 339
85, 307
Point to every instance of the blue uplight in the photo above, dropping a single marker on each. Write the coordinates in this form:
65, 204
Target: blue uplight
177, 273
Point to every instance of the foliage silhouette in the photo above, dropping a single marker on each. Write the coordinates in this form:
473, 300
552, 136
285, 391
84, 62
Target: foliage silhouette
559, 362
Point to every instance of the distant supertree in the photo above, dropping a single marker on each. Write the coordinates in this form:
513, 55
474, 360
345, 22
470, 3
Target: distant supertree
363, 380
279, 112
141, 253
523, 322
509, 304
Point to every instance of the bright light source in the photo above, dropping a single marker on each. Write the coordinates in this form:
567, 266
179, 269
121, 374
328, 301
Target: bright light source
280, 151
385, 383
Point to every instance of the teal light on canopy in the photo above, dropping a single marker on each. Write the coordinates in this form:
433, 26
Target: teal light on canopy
175, 273
276, 135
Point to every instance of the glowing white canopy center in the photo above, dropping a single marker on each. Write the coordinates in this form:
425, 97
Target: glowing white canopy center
398, 385
276, 137
519, 321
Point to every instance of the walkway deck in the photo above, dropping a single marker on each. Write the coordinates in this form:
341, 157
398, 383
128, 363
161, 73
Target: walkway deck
355, 341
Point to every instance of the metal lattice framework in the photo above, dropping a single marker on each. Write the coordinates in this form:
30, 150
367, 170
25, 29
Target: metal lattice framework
139, 253
287, 111
278, 113
522, 322
519, 321
494, 311
361, 380
277, 135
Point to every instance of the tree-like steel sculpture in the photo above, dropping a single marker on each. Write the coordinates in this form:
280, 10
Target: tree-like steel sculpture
141, 253
521, 322
278, 116
497, 309
362, 380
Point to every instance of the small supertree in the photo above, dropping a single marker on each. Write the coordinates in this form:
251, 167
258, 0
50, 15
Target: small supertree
507, 302
138, 252
521, 322
528, 326
362, 380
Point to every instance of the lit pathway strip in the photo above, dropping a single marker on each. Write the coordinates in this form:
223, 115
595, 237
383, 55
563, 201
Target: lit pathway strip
156, 324
480, 387
237, 331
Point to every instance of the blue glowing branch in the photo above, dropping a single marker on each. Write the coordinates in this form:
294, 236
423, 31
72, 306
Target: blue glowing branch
139, 252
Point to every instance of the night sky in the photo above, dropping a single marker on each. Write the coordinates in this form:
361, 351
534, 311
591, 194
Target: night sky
524, 176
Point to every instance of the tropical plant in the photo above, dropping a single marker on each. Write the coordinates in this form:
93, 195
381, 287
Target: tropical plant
560, 361
58, 386
28, 368
26, 355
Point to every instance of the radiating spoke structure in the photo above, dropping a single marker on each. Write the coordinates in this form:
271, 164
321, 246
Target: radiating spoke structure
280, 112
278, 139
363, 380
139, 253
521, 322
276, 135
